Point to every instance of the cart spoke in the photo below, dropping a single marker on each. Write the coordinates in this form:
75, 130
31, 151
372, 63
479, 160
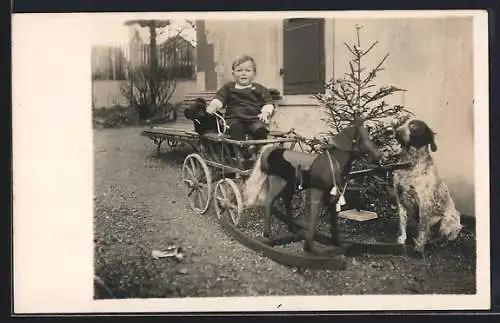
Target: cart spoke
203, 195
196, 175
193, 176
193, 188
200, 198
223, 192
194, 168
234, 215
204, 185
194, 196
222, 200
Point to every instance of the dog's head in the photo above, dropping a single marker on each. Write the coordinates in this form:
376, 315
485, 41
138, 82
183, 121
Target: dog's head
416, 133
197, 110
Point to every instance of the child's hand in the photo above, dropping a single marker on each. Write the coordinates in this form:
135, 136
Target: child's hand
266, 113
214, 106
211, 109
264, 117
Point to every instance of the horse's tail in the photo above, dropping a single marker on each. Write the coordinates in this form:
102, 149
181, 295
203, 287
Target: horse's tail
256, 186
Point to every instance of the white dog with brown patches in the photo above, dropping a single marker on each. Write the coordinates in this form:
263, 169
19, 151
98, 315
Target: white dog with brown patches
419, 190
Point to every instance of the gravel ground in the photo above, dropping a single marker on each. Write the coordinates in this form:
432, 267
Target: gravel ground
139, 207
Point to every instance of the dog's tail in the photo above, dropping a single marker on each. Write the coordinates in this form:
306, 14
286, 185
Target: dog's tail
256, 186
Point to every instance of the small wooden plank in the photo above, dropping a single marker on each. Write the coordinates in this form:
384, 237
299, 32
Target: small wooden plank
358, 215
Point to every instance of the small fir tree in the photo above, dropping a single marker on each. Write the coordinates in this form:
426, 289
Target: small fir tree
355, 95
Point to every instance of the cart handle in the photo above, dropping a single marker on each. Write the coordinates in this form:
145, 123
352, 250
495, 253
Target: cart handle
220, 117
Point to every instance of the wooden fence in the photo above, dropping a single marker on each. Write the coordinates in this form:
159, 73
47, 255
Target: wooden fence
111, 66
108, 93
114, 62
110, 63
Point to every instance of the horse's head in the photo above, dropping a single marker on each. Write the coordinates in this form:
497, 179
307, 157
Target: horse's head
355, 140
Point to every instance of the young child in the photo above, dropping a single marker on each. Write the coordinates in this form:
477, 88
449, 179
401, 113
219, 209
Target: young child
248, 104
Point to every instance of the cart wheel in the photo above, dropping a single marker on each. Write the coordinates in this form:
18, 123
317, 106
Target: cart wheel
228, 201
198, 180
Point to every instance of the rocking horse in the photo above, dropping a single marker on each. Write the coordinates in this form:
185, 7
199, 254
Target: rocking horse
280, 172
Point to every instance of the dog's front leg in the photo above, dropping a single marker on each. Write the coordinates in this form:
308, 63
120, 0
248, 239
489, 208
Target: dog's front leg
402, 213
423, 230
403, 220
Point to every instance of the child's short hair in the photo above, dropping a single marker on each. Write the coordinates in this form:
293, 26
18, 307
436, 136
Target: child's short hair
242, 59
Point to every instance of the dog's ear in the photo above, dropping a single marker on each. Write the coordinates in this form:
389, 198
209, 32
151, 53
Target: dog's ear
433, 144
421, 135
430, 135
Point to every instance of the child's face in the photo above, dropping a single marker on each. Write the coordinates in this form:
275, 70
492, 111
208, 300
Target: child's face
244, 73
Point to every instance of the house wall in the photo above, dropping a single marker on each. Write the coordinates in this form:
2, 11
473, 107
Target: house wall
431, 58
261, 39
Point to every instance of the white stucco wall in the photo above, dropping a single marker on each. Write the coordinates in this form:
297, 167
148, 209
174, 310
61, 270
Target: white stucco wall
432, 59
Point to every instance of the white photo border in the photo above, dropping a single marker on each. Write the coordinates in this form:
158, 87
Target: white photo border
53, 175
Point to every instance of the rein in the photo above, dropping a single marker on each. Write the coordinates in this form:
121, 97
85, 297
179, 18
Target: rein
334, 191
224, 124
341, 201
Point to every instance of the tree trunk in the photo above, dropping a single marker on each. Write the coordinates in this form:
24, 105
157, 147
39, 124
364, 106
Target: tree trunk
153, 66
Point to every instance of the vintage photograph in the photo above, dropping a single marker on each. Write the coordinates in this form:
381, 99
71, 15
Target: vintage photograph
292, 155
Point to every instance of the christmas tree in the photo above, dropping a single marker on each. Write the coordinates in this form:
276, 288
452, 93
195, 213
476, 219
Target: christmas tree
356, 95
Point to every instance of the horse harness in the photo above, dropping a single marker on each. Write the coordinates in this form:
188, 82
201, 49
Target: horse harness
334, 191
